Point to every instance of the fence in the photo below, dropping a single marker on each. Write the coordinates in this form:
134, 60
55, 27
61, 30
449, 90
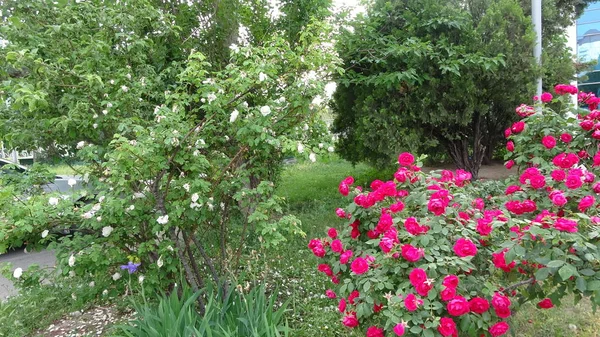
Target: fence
15, 156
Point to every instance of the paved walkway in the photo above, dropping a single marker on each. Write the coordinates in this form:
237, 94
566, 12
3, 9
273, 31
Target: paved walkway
23, 260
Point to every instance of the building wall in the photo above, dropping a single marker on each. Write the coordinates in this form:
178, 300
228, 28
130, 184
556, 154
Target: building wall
588, 47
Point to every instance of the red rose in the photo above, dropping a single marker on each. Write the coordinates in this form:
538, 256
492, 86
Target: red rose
565, 160
348, 181
549, 142
479, 305
417, 276
447, 327
399, 328
518, 127
330, 293
566, 137
336, 246
411, 302
450, 281
586, 202
546, 97
500, 262
510, 146
406, 159
332, 233
448, 293
374, 331
353, 295
437, 206
350, 320
345, 257
501, 305
499, 329
465, 247
411, 253
342, 305
566, 225
344, 189
537, 181
573, 182
325, 269
458, 306
359, 266
546, 303
509, 164
558, 175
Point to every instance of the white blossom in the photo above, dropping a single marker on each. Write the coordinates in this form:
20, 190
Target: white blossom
138, 195
313, 157
131, 208
87, 215
262, 77
45, 234
128, 76
211, 97
71, 260
105, 112
53, 201
186, 187
106, 230
163, 219
99, 218
101, 199
116, 276
196, 153
195, 197
71, 273
320, 145
71, 182
112, 81
80, 145
300, 148
18, 273
330, 89
330, 149
233, 116
96, 207
95, 125
105, 292
160, 262
92, 284
109, 105
95, 116
265, 110
141, 279
124, 88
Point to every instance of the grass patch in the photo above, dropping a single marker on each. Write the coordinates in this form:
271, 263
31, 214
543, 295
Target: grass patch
36, 308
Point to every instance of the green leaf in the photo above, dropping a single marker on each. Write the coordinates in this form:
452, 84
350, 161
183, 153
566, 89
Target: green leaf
593, 285
566, 271
580, 284
542, 274
555, 263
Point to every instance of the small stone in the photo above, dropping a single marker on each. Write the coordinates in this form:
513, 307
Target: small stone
572, 327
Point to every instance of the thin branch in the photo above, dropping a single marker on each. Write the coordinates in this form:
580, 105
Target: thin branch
518, 284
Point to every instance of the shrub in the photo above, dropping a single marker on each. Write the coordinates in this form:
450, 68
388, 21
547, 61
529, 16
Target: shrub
423, 254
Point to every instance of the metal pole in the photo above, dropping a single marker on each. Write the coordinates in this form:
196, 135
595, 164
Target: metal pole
536, 17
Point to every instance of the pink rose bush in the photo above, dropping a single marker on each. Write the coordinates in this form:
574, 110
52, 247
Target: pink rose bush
430, 255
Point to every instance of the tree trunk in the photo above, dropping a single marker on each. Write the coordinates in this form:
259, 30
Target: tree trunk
468, 156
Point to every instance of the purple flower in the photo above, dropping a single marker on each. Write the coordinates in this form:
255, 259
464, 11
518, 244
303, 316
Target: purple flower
131, 267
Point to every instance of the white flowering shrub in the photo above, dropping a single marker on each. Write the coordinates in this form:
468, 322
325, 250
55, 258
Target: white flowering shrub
183, 194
